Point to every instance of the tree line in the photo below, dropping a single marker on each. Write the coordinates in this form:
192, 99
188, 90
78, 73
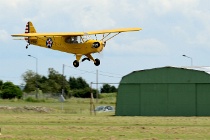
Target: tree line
54, 83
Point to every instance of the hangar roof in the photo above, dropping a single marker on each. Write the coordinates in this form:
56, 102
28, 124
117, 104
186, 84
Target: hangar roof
169, 74
199, 68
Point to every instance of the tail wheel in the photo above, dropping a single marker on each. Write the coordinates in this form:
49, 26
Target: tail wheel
76, 63
97, 62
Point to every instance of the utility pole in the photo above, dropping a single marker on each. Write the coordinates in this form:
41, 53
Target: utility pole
62, 92
97, 86
36, 74
92, 105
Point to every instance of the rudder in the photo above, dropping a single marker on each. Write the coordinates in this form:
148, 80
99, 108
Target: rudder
29, 29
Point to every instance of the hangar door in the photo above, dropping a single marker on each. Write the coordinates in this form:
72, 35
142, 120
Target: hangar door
153, 99
168, 99
128, 100
203, 99
148, 99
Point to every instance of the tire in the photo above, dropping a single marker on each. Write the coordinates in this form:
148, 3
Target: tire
97, 62
76, 63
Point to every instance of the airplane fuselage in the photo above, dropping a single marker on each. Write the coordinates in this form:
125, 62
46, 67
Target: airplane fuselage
62, 44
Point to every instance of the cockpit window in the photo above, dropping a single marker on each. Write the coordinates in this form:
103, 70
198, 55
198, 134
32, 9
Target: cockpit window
72, 39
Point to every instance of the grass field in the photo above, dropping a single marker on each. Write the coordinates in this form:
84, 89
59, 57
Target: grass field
74, 122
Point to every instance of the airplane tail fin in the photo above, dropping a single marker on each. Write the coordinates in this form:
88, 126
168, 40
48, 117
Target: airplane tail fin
29, 29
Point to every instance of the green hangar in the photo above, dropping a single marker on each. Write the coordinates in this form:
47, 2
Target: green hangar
166, 91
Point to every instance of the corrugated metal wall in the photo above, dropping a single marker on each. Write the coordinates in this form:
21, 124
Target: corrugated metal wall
166, 91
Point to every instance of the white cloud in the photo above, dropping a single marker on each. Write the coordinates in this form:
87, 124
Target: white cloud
95, 15
202, 38
89, 15
150, 46
188, 20
167, 6
4, 36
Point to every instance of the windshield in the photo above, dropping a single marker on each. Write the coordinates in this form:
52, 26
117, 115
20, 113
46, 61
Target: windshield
72, 39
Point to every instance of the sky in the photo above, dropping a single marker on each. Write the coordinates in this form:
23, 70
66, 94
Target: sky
170, 29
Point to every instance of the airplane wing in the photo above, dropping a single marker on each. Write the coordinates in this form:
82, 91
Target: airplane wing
49, 34
114, 31
77, 33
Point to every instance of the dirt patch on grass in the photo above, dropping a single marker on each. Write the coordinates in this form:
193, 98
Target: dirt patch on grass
27, 109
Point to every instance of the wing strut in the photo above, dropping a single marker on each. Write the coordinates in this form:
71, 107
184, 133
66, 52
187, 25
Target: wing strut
110, 37
105, 36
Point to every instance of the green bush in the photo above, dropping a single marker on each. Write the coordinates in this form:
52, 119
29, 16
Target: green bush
107, 95
83, 93
10, 91
30, 99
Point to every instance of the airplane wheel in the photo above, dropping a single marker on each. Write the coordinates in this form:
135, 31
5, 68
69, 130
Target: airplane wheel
76, 63
97, 62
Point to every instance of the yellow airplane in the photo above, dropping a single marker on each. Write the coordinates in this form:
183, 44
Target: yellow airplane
78, 43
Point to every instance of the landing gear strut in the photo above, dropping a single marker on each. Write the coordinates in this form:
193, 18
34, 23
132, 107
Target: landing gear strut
27, 46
